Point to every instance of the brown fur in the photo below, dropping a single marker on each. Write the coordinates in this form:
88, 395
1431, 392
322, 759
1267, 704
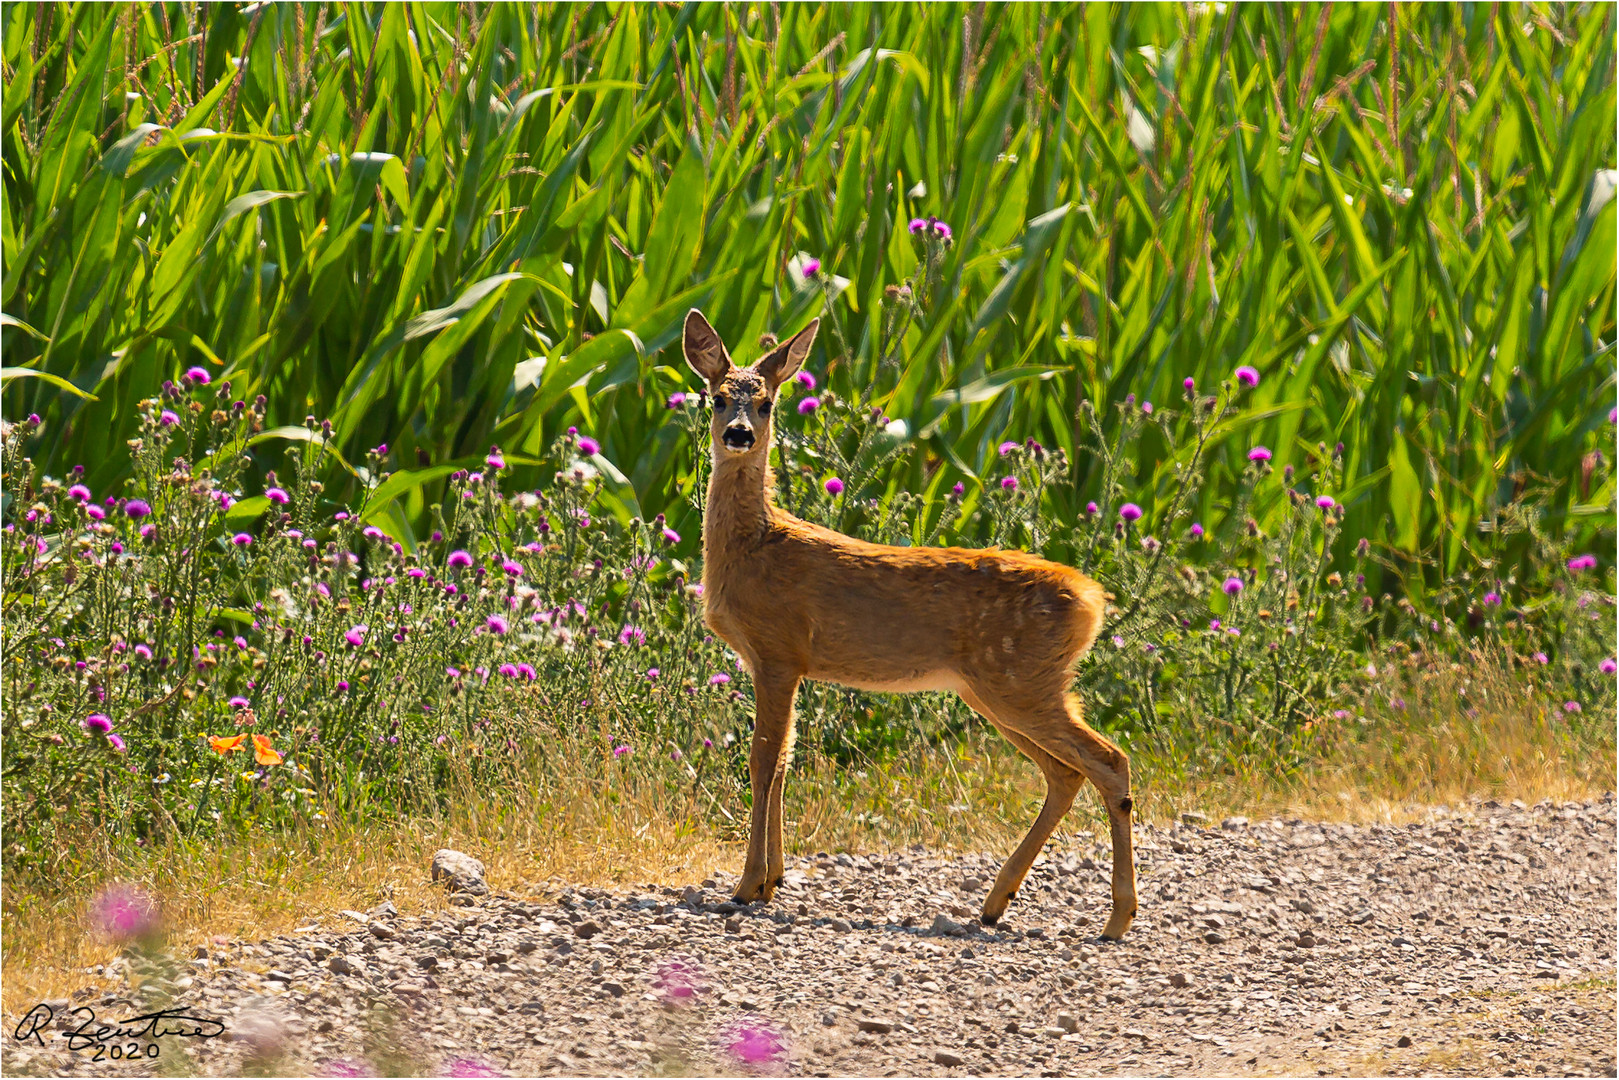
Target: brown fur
796, 601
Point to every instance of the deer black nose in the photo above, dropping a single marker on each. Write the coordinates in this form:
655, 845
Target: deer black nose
739, 436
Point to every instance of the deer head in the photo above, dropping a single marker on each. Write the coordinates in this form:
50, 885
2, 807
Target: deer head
743, 397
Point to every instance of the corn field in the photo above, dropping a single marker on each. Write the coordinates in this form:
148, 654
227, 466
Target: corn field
450, 226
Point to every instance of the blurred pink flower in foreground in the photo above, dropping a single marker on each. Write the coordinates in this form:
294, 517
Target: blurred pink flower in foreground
123, 911
678, 982
470, 1067
755, 1043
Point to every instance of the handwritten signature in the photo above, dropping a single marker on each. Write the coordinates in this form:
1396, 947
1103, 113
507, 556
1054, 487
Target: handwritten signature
150, 1026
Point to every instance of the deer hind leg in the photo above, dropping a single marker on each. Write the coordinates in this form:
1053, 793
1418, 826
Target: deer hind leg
1061, 733
767, 769
1062, 785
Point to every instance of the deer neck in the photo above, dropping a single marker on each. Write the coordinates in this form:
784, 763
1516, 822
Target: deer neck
739, 508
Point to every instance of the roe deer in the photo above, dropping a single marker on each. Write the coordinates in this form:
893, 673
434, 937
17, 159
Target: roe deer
798, 601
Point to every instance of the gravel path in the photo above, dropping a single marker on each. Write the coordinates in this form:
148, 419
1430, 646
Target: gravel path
1481, 941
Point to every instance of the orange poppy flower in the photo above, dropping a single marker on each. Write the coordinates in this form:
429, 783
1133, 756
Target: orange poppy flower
262, 752
224, 745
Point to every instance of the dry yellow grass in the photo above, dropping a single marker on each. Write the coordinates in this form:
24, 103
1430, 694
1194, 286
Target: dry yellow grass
599, 824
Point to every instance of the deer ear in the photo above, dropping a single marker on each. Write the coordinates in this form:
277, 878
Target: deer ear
704, 350
784, 362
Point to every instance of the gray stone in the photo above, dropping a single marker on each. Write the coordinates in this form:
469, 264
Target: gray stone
347, 965
460, 872
945, 1057
874, 1025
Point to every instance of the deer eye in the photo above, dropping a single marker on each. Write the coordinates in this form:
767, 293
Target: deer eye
719, 401
764, 407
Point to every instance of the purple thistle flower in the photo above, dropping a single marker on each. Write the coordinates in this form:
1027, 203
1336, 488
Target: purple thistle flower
371, 532
342, 686
1130, 512
652, 674
1092, 509
808, 405
1259, 453
459, 558
678, 981
513, 569
137, 508
620, 751
495, 460
355, 635
1009, 483
1492, 598
124, 911
97, 724
805, 379
1325, 502
718, 679
1189, 384
197, 376
238, 702
143, 651
1609, 666
167, 418
95, 513
1232, 586
1146, 407
497, 624
241, 539
917, 225
1541, 657
677, 400
1007, 447
1571, 706
1197, 531
755, 1044
508, 670
527, 671
670, 536
589, 446
940, 228
811, 267
1582, 562
1248, 376
275, 495
79, 492
834, 486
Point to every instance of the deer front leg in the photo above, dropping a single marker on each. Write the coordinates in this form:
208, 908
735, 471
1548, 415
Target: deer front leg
767, 770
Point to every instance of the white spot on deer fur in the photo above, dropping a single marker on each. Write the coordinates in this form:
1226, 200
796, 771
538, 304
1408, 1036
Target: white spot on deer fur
1006, 644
